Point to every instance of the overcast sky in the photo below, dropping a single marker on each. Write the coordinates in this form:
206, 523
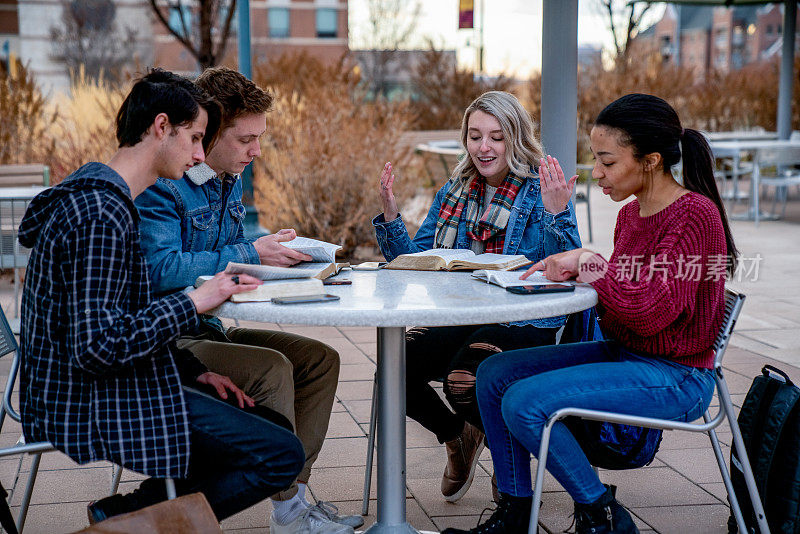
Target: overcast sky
512, 35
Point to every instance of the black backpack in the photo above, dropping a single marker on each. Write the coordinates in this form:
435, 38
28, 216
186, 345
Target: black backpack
770, 425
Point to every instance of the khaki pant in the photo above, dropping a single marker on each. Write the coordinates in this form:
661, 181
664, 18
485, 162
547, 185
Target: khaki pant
294, 375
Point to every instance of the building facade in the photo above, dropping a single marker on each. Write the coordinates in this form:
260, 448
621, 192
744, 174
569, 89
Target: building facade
318, 27
715, 38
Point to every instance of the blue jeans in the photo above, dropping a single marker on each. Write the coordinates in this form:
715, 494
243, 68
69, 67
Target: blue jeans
237, 459
518, 390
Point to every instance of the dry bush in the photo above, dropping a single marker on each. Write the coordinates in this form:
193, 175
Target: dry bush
24, 128
737, 100
297, 72
85, 129
445, 91
741, 99
323, 153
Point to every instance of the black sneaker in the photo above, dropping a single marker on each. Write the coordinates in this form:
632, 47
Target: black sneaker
604, 516
151, 491
511, 516
108, 507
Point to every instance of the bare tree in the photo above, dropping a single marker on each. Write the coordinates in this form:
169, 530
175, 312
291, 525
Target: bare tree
624, 19
390, 25
89, 38
207, 39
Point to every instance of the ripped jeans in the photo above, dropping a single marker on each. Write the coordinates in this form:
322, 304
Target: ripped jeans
452, 354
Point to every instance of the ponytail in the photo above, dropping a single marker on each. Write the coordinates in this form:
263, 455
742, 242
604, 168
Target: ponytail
649, 124
698, 176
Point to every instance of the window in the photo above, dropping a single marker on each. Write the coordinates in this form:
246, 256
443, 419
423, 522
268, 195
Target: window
327, 23
175, 23
278, 22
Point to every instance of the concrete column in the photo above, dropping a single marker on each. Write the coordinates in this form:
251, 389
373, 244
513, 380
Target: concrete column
559, 121
787, 69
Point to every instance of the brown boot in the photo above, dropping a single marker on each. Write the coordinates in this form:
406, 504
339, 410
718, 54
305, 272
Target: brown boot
462, 458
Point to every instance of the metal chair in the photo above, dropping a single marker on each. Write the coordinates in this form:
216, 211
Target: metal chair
733, 305
777, 167
8, 344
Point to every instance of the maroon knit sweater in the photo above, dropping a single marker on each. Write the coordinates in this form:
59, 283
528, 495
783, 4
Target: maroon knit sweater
674, 308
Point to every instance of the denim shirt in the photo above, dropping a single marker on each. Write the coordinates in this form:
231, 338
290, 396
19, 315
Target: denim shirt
531, 231
192, 227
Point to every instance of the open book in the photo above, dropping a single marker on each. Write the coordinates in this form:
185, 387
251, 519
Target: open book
317, 270
448, 259
295, 287
511, 278
320, 251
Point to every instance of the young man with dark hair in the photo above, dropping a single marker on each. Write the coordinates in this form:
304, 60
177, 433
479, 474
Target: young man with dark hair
192, 227
101, 378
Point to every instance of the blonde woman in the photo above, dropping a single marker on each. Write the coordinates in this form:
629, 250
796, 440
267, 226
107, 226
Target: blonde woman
495, 201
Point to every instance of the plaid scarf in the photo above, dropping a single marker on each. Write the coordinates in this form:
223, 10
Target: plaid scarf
490, 226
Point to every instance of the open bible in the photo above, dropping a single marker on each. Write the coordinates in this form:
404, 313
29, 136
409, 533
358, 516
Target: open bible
511, 278
447, 259
320, 251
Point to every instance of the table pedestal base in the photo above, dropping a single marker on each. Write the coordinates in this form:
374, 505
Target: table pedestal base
391, 515
405, 528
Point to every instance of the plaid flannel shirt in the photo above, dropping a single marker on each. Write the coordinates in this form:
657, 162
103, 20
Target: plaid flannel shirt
99, 377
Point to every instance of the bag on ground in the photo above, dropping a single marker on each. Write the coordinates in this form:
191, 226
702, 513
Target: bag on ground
770, 425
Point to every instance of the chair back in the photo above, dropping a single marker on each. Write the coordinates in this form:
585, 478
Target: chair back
733, 305
8, 344
12, 254
779, 156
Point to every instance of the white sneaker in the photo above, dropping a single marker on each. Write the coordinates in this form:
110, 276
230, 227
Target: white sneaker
309, 522
330, 511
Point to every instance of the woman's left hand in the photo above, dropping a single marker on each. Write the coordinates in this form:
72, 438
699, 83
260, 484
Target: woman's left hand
556, 190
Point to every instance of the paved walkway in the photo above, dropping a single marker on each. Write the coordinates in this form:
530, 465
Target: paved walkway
680, 492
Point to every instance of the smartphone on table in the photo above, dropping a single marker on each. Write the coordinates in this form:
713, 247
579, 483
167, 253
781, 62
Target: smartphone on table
333, 282
368, 266
540, 289
304, 299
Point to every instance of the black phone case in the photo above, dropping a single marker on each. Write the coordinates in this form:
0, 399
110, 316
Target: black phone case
539, 290
304, 300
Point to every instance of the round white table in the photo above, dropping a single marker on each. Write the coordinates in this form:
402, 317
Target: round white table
391, 300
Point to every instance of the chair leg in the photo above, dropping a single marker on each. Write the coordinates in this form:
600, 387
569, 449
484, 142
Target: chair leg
26, 498
13, 489
741, 453
373, 419
533, 526
171, 493
116, 476
726, 477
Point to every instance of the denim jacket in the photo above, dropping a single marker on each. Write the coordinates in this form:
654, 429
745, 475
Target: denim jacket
192, 227
531, 231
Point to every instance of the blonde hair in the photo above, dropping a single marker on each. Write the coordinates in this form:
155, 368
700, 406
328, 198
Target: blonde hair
523, 150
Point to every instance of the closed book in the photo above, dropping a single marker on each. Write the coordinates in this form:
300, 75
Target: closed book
320, 270
296, 287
